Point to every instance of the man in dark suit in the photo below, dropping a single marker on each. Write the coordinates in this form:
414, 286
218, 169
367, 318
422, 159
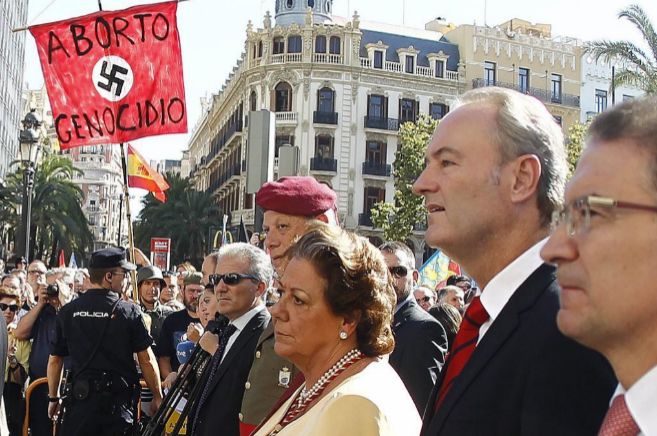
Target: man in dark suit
495, 172
243, 274
420, 340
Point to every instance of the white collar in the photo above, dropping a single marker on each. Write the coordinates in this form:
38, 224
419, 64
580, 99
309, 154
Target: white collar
501, 287
241, 321
641, 398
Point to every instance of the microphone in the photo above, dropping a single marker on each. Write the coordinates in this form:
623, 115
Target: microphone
184, 351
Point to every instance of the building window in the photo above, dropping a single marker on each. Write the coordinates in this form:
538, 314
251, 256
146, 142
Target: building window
324, 146
410, 64
523, 80
438, 110
253, 101
378, 59
600, 100
283, 97
556, 88
320, 44
440, 69
279, 45
259, 49
376, 106
282, 140
375, 152
290, 4
372, 196
407, 110
489, 73
334, 45
294, 44
311, 3
325, 98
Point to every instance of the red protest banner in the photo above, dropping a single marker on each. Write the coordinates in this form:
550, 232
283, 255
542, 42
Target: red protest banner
113, 76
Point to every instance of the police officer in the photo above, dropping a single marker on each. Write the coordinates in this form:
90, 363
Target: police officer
100, 332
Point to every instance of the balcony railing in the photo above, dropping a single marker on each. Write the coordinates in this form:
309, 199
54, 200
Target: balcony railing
541, 94
323, 164
377, 169
286, 117
396, 67
381, 123
365, 219
324, 58
286, 57
325, 117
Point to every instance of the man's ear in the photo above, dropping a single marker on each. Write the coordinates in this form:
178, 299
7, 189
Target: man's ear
416, 276
526, 174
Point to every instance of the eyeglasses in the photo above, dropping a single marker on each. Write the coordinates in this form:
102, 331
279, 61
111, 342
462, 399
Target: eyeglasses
12, 307
577, 215
230, 278
398, 271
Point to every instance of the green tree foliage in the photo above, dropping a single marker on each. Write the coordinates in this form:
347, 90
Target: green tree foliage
57, 219
397, 220
186, 218
574, 145
641, 70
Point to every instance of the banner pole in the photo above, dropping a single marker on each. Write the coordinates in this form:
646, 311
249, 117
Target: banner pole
131, 240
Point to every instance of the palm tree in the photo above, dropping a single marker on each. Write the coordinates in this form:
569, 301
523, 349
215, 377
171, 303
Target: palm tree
641, 70
186, 218
57, 220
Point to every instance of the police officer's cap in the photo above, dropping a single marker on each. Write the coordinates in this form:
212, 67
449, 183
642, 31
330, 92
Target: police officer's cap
114, 257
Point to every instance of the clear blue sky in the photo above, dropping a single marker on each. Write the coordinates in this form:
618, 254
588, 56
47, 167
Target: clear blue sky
213, 33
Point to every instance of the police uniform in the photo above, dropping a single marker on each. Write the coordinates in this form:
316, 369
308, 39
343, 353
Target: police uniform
104, 384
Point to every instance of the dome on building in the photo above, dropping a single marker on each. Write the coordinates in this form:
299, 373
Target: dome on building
296, 11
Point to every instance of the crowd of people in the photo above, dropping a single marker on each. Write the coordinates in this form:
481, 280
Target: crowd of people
321, 333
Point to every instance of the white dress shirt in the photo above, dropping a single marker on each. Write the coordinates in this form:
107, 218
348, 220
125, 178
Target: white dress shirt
239, 323
501, 287
641, 399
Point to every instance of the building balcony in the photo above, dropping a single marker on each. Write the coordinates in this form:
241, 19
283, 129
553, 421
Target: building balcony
546, 96
323, 164
396, 67
283, 58
377, 169
324, 58
365, 219
325, 117
381, 123
287, 118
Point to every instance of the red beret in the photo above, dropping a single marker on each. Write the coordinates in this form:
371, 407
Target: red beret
296, 195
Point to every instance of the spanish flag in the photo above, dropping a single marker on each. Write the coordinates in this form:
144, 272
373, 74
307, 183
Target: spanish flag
140, 175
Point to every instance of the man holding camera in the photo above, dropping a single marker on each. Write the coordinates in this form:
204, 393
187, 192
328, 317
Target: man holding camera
100, 332
38, 324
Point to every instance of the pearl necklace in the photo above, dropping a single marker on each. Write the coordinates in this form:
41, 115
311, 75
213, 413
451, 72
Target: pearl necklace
306, 396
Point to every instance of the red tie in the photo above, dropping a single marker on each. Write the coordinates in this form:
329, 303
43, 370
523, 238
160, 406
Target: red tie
463, 346
618, 420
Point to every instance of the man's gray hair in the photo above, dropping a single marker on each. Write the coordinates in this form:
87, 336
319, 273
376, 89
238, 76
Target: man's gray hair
443, 292
525, 126
259, 263
393, 247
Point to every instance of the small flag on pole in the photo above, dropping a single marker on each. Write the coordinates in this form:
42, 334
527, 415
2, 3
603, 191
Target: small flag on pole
140, 175
72, 263
242, 235
436, 269
62, 259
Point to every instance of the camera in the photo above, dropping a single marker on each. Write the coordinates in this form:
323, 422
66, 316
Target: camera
52, 290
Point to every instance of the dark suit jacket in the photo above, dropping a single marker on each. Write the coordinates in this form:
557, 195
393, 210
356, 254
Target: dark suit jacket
219, 414
420, 347
525, 377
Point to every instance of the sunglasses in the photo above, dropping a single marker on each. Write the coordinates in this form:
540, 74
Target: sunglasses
423, 299
398, 271
230, 278
12, 307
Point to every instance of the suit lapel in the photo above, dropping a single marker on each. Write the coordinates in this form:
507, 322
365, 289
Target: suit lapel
402, 315
503, 326
245, 335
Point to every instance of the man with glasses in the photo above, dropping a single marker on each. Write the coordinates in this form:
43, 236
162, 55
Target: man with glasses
424, 297
420, 340
100, 333
604, 235
243, 274
495, 171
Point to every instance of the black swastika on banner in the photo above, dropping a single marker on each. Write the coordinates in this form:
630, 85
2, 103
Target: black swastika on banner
112, 78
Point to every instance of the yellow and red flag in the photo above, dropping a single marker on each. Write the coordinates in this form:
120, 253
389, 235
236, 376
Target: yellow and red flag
141, 175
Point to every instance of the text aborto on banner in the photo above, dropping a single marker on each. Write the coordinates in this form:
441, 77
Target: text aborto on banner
114, 76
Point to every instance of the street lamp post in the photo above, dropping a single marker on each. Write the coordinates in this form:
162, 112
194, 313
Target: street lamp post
30, 147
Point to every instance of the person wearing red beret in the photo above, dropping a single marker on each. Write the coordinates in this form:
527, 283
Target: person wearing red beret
290, 204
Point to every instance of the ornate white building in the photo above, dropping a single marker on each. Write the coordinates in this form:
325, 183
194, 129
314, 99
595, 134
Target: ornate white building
339, 89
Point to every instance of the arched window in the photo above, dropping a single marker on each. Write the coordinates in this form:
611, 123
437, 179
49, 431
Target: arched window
325, 100
334, 46
311, 3
290, 4
294, 44
283, 97
253, 101
320, 44
279, 45
259, 49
